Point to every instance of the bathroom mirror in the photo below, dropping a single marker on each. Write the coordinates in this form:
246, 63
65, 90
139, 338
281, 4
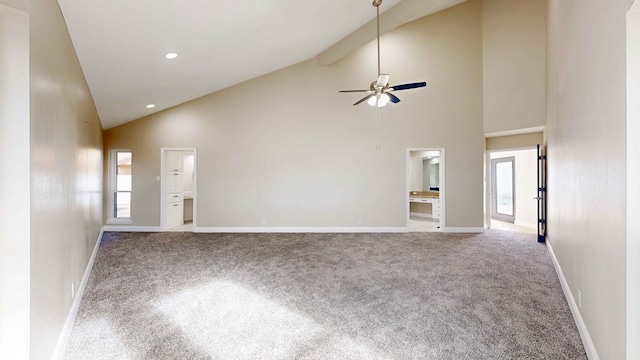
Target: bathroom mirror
434, 175
431, 173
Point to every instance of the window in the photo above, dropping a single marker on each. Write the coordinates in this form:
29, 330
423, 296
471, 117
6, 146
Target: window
120, 185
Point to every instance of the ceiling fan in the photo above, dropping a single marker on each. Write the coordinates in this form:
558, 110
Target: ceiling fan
379, 92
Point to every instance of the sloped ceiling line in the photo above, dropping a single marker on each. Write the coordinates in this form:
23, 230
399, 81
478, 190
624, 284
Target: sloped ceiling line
121, 44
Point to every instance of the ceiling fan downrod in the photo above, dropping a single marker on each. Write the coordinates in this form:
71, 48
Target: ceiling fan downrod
376, 4
379, 92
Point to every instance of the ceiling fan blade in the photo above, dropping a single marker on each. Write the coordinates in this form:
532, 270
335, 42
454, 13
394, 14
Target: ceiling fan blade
383, 80
394, 99
363, 99
352, 91
408, 86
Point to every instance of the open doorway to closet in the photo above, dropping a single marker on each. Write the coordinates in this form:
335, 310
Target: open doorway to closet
513, 190
178, 189
425, 190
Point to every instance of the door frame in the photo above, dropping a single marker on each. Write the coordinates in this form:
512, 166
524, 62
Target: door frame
494, 199
488, 178
162, 183
442, 185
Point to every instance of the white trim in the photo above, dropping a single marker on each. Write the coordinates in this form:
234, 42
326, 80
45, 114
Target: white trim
589, 347
301, 230
464, 229
530, 130
125, 228
63, 340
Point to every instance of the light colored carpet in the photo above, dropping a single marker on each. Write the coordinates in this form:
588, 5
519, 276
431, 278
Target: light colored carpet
323, 296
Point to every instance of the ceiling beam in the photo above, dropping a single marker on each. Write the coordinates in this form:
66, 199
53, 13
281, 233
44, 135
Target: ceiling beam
404, 12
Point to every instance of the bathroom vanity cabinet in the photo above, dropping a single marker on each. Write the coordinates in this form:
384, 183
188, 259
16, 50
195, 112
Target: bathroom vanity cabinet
425, 207
174, 190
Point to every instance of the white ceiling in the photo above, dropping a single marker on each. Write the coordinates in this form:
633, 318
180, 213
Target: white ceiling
121, 45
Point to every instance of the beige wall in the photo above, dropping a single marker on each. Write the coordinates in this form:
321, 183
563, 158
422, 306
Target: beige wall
633, 177
14, 183
66, 175
586, 135
514, 64
22, 5
515, 141
288, 148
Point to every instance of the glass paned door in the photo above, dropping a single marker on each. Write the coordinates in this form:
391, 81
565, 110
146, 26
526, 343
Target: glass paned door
122, 194
503, 189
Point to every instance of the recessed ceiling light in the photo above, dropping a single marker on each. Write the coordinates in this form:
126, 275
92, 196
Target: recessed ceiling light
170, 55
151, 106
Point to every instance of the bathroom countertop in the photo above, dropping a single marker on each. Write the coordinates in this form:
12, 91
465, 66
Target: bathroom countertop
424, 194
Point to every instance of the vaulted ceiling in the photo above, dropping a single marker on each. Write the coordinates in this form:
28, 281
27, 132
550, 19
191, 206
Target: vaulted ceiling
121, 44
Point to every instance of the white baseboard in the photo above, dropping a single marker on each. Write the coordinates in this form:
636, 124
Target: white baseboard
266, 229
61, 347
127, 228
589, 347
463, 229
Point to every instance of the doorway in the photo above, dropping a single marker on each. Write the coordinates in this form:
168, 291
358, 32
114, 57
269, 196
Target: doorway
513, 190
503, 191
178, 189
425, 189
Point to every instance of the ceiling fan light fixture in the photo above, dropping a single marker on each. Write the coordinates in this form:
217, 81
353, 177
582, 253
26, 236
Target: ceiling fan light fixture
381, 100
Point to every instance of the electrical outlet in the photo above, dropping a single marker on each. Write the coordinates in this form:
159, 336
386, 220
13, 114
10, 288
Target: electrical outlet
579, 298
264, 221
73, 289
360, 221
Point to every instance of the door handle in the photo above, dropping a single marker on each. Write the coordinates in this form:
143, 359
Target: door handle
537, 198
